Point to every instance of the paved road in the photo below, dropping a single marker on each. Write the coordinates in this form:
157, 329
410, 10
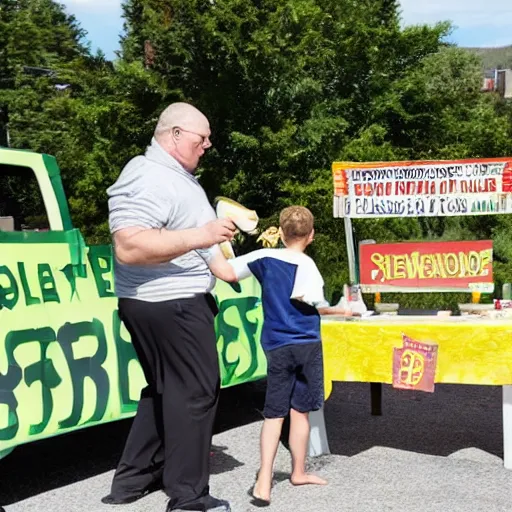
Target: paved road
42, 466
437, 452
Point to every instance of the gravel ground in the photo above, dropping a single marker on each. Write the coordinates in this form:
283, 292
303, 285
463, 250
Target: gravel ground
428, 452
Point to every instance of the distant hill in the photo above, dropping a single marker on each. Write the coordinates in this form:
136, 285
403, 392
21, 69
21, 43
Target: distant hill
494, 58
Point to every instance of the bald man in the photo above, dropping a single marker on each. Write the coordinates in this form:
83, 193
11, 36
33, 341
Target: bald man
162, 226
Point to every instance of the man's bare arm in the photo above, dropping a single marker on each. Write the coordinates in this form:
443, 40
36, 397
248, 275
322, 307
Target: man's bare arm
139, 246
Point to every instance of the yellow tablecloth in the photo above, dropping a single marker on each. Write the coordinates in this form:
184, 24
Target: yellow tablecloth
470, 351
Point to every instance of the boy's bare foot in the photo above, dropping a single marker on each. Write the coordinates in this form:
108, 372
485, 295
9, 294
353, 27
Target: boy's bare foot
307, 479
262, 491
260, 495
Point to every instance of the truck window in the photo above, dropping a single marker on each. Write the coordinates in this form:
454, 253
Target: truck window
21, 202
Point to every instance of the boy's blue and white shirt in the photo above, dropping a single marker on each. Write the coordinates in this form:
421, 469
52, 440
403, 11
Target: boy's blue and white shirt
292, 289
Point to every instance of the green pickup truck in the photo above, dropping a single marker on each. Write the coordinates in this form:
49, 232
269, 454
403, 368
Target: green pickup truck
66, 360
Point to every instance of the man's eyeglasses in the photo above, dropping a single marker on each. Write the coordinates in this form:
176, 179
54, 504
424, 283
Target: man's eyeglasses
205, 139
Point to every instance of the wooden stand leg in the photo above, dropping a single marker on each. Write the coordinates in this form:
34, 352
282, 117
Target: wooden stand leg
507, 426
376, 398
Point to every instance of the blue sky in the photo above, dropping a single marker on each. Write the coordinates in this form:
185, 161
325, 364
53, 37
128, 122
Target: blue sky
476, 22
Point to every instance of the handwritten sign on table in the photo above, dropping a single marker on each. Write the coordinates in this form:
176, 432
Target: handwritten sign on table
414, 365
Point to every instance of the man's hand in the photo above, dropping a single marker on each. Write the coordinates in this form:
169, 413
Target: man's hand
216, 232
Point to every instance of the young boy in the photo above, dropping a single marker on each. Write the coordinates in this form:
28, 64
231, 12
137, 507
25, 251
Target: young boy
293, 299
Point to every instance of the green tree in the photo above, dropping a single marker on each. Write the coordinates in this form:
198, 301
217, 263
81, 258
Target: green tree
91, 115
39, 44
289, 87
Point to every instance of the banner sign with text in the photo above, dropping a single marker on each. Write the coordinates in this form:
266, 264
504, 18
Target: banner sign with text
426, 267
422, 189
66, 358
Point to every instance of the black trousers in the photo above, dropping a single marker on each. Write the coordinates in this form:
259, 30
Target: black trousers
171, 435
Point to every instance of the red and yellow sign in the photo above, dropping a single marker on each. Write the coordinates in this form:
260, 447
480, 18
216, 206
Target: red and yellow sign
426, 266
414, 365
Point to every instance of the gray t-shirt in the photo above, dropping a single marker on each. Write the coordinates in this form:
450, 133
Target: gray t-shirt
155, 191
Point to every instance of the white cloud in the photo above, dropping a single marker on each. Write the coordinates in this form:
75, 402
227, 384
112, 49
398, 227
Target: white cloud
462, 13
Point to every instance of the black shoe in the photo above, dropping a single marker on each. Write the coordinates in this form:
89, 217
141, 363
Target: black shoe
205, 504
112, 499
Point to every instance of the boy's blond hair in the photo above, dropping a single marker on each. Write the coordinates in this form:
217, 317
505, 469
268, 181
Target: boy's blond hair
296, 222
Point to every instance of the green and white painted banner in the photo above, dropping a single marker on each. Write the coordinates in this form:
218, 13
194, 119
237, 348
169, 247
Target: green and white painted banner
66, 361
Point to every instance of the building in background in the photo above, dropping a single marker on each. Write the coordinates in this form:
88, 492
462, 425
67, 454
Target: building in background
499, 81
503, 83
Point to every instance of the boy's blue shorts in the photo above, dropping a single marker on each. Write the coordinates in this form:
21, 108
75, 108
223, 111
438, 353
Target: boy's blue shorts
295, 379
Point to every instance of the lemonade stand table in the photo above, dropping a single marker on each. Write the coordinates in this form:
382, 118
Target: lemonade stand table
471, 351
443, 349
